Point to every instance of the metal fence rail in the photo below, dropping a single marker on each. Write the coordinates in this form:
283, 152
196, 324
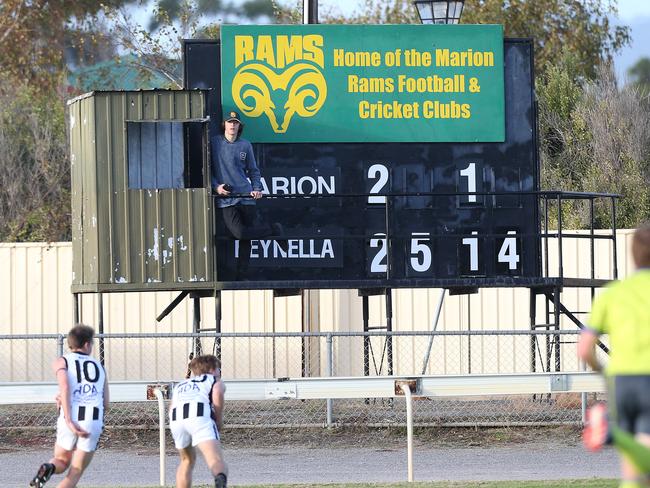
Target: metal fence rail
164, 358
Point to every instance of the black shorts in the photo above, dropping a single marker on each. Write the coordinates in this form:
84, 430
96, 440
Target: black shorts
631, 397
241, 222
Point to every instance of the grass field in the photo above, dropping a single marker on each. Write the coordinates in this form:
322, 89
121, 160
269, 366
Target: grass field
595, 483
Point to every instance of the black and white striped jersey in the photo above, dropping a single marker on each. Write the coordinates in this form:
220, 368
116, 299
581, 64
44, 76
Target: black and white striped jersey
86, 378
193, 397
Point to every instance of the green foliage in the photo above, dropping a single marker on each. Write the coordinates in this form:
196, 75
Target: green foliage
258, 8
595, 137
640, 75
157, 48
47, 223
175, 10
34, 173
178, 10
290, 13
556, 27
35, 35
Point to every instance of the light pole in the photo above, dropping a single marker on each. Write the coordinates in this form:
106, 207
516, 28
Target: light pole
439, 11
310, 11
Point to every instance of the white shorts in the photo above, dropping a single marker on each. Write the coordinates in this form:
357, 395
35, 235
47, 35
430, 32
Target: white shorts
193, 430
69, 441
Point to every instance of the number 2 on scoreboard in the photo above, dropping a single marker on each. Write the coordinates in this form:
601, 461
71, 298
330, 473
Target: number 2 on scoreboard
379, 174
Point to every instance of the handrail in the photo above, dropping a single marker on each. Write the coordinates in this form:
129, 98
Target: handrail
342, 387
543, 193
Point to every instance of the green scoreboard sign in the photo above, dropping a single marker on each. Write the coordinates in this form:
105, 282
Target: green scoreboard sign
365, 83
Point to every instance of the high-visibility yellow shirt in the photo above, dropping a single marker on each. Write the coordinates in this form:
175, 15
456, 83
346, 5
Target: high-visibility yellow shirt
622, 311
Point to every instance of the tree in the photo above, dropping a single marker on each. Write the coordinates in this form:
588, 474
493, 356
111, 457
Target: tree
34, 166
640, 75
158, 47
595, 138
557, 26
216, 10
155, 53
34, 36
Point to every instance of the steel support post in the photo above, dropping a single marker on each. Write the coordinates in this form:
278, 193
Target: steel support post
217, 324
100, 326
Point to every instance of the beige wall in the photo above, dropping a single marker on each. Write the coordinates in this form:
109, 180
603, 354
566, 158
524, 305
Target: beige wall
35, 298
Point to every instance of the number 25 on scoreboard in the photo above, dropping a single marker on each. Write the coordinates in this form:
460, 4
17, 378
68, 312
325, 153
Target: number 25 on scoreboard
419, 257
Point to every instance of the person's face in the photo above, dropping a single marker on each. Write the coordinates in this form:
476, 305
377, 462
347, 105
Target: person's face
232, 127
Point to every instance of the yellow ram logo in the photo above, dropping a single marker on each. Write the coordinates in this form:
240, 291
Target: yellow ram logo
256, 88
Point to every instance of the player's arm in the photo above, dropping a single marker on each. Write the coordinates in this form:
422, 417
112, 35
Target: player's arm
598, 320
60, 367
587, 349
217, 395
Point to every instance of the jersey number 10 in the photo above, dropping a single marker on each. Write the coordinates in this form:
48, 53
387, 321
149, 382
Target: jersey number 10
88, 375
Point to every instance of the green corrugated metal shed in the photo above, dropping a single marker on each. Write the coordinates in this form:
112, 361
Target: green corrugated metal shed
135, 223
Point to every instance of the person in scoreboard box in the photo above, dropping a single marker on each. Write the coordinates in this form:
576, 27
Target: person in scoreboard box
237, 180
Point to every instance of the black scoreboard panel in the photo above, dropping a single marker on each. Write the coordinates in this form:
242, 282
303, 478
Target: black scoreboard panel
434, 212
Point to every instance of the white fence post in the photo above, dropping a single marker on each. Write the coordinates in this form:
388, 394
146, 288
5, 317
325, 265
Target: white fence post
330, 370
161, 427
405, 387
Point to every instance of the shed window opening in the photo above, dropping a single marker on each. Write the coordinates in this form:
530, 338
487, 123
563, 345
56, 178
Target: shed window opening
165, 154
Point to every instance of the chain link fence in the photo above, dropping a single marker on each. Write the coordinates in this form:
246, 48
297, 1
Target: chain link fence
164, 358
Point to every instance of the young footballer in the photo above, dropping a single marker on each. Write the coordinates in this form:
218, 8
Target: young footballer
83, 398
196, 417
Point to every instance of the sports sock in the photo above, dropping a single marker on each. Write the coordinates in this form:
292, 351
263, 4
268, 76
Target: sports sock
220, 481
44, 473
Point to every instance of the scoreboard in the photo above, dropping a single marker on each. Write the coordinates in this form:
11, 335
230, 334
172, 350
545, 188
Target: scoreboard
393, 214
